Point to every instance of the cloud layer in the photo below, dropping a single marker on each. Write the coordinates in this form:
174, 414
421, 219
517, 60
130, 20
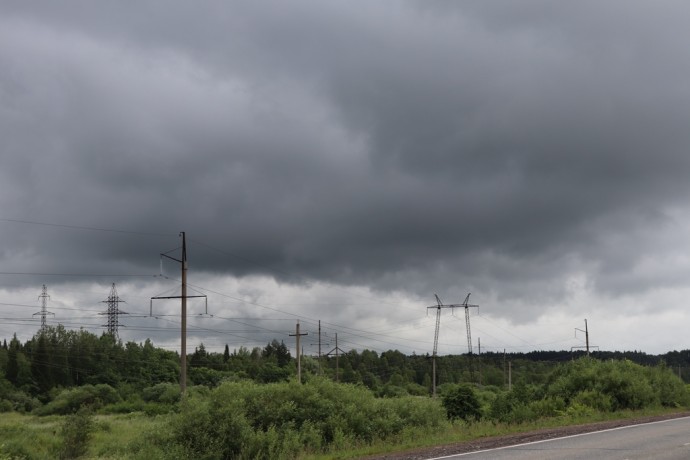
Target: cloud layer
397, 147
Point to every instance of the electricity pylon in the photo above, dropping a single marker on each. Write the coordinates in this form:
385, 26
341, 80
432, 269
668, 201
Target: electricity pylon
113, 313
438, 308
467, 322
44, 312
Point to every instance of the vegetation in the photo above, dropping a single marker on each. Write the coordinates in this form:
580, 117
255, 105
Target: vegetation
84, 395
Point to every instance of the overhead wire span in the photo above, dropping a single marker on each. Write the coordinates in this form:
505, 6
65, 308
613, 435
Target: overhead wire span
82, 227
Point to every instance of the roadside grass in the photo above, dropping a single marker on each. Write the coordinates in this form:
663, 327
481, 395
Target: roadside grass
458, 432
126, 436
122, 436
137, 436
26, 436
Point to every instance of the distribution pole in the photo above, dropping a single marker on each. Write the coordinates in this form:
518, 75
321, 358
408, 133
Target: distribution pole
183, 318
319, 347
297, 335
337, 365
183, 312
479, 359
505, 379
586, 331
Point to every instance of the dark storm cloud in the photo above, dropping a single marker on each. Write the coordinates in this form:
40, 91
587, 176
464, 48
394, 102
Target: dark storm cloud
433, 147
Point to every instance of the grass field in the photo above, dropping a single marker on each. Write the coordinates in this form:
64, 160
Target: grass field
113, 436
133, 436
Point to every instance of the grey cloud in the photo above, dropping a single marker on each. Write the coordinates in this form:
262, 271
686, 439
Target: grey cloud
428, 148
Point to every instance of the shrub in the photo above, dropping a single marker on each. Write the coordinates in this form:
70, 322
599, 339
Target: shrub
280, 420
69, 401
6, 406
166, 393
75, 433
671, 390
21, 402
462, 403
616, 385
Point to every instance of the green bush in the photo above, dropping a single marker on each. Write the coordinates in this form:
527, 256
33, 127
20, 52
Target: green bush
75, 433
280, 420
548, 407
69, 401
6, 406
462, 403
21, 402
671, 390
616, 385
165, 393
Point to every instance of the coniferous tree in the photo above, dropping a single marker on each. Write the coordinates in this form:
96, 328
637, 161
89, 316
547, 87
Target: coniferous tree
226, 354
12, 370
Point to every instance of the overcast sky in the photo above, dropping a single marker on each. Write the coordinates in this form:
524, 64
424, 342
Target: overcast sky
344, 162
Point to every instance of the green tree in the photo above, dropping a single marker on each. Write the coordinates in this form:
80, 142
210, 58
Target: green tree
277, 353
41, 365
226, 354
12, 369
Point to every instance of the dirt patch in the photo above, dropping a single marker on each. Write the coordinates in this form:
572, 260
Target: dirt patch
518, 438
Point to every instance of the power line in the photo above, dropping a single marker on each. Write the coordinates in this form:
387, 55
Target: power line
81, 227
114, 275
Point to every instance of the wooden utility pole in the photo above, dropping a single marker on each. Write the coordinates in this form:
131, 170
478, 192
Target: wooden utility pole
586, 331
297, 335
337, 367
479, 359
183, 311
505, 377
319, 347
183, 318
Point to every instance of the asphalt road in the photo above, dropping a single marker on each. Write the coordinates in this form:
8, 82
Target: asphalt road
664, 440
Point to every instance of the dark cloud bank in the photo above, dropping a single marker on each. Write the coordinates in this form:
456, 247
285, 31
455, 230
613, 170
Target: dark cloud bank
492, 147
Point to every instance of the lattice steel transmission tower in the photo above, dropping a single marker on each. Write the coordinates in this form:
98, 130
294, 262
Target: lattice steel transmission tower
438, 308
467, 322
439, 305
44, 311
113, 313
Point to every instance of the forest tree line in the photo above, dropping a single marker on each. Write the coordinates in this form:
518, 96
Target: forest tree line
60, 358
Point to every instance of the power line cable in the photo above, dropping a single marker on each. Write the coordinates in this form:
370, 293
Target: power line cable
82, 227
